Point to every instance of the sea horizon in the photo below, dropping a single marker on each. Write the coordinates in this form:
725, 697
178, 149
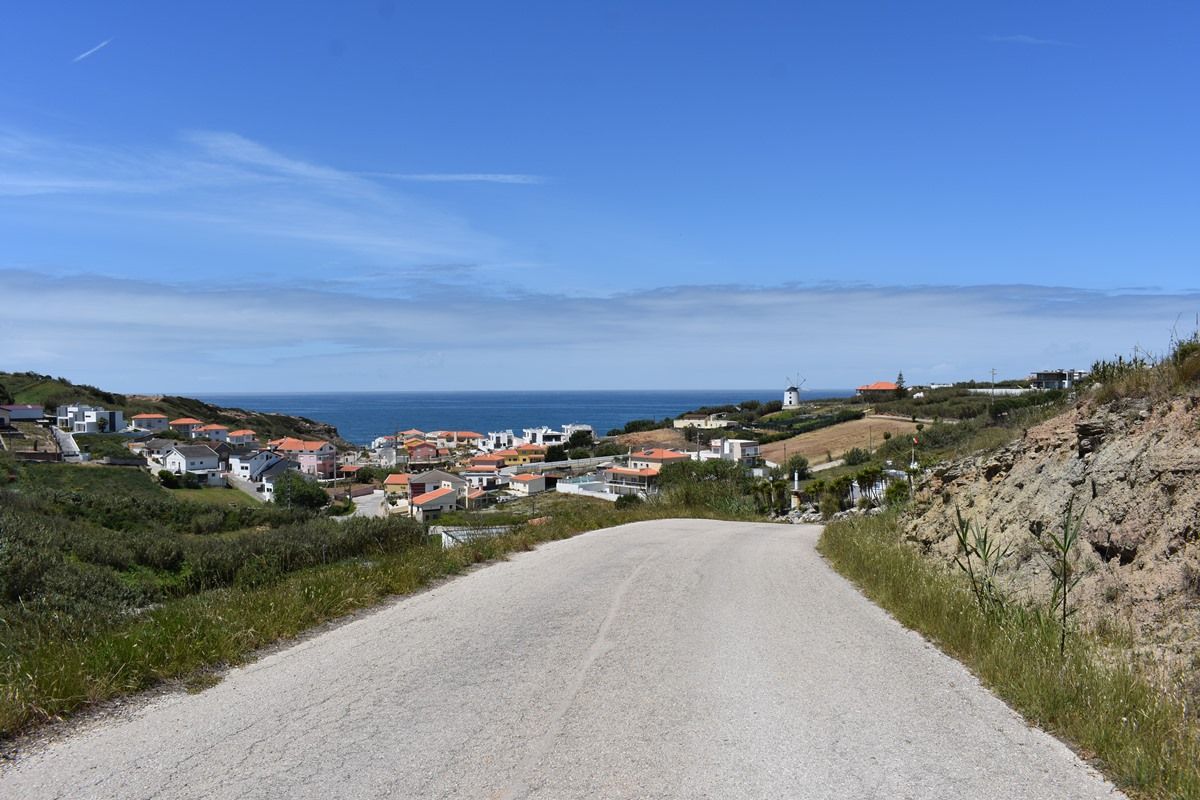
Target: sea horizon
363, 415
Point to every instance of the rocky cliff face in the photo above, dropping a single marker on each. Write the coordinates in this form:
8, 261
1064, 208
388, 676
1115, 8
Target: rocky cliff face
1132, 470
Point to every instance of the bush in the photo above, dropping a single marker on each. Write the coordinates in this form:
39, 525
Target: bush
896, 493
293, 490
855, 456
168, 479
628, 500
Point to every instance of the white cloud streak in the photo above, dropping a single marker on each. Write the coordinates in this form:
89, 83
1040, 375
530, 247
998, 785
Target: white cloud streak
92, 52
1032, 41
460, 177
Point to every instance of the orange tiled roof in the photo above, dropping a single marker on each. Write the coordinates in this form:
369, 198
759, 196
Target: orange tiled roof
641, 473
290, 443
436, 494
149, 416
660, 454
187, 421
526, 477
243, 432
540, 448
396, 479
878, 386
505, 453
466, 435
213, 427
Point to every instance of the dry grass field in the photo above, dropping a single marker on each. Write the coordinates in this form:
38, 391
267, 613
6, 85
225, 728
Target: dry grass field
661, 437
837, 439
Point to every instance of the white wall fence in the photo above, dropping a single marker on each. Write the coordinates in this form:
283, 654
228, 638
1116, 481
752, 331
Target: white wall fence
457, 535
586, 489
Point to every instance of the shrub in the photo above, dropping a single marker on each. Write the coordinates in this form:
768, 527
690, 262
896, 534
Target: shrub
855, 456
896, 493
168, 479
628, 500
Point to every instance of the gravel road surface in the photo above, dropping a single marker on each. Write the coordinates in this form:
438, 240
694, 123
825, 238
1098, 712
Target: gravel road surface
674, 659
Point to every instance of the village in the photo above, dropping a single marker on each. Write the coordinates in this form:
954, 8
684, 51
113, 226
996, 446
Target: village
420, 474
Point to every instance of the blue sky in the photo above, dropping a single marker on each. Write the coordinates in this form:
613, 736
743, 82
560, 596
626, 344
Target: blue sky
382, 195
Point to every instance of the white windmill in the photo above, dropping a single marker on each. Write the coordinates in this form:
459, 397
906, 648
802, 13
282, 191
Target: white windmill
791, 395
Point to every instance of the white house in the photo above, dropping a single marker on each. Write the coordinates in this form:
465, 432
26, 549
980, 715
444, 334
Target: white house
744, 451
89, 419
656, 458
250, 466
432, 505
546, 437
149, 422
244, 436
527, 484
213, 432
272, 473
500, 440
574, 427
194, 459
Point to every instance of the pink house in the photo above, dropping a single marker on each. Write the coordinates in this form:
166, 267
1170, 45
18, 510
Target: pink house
314, 457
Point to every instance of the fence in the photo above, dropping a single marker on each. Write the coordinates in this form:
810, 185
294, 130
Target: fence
453, 536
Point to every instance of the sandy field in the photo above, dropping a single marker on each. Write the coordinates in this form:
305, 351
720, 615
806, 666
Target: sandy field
837, 439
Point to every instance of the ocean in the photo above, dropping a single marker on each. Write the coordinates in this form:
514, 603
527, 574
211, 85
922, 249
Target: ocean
361, 416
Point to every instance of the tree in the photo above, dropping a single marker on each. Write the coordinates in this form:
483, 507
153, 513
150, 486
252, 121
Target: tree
5, 395
580, 452
797, 464
556, 452
293, 490
900, 391
580, 439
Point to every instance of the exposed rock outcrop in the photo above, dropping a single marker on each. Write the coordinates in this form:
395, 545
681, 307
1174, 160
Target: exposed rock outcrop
1131, 471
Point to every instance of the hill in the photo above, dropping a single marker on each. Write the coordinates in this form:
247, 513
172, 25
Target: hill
1125, 460
817, 446
49, 391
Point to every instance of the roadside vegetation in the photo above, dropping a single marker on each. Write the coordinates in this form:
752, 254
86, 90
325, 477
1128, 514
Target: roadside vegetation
1088, 687
1071, 686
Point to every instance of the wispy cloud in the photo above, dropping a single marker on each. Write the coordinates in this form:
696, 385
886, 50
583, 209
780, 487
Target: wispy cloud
92, 52
459, 177
217, 184
1033, 41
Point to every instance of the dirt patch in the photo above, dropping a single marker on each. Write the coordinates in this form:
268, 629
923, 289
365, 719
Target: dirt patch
671, 438
817, 445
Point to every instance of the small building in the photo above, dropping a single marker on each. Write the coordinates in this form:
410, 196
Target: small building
544, 436
879, 390
24, 412
527, 484
791, 397
273, 473
530, 453
250, 466
89, 419
432, 505
423, 482
314, 456
656, 458
149, 422
244, 436
628, 480
213, 432
396, 484
1055, 379
703, 421
743, 451
185, 425
198, 460
491, 461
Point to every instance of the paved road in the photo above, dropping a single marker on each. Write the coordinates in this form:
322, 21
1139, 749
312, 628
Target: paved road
679, 659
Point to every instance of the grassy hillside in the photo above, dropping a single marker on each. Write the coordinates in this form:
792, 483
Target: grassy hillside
30, 387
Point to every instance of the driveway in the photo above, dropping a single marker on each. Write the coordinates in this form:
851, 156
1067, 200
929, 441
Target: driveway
668, 659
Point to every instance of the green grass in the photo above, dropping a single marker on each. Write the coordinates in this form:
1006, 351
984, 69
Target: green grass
214, 495
93, 478
47, 674
1143, 739
103, 445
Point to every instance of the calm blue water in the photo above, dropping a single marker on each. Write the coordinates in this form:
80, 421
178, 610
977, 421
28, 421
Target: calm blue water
361, 416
